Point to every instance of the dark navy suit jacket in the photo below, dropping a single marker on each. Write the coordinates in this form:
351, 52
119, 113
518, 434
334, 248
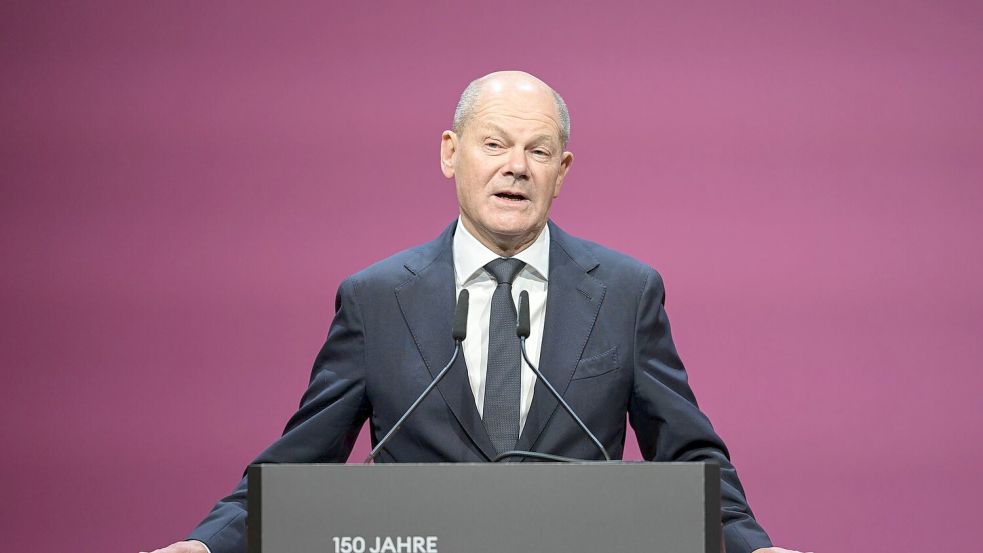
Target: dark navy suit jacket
606, 348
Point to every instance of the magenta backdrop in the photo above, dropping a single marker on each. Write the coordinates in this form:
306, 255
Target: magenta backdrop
184, 185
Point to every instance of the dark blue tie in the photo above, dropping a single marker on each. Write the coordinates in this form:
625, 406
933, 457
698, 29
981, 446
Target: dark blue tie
502, 382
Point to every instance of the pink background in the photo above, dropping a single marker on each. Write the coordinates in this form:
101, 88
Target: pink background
184, 185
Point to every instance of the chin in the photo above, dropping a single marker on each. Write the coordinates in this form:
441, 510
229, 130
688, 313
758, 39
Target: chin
515, 229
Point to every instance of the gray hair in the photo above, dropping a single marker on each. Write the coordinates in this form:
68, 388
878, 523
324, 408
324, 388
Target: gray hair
469, 99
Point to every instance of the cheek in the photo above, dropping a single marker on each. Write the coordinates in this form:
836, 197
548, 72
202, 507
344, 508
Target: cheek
470, 194
549, 189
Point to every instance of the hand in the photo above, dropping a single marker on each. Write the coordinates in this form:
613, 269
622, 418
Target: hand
188, 546
774, 550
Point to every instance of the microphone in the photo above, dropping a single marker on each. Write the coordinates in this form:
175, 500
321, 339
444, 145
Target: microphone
522, 330
458, 332
522, 327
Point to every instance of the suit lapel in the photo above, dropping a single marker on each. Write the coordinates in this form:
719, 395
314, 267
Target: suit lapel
572, 304
427, 302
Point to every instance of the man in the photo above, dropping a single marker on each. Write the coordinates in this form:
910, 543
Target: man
599, 330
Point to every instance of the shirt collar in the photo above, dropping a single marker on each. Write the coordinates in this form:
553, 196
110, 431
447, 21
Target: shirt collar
470, 255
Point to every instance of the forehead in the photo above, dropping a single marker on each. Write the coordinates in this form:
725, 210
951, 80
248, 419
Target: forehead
518, 110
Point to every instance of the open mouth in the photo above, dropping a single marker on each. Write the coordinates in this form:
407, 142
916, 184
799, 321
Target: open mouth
511, 196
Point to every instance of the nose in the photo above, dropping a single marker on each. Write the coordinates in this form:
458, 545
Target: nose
516, 166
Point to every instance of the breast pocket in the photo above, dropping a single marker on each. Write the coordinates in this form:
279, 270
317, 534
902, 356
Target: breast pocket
596, 365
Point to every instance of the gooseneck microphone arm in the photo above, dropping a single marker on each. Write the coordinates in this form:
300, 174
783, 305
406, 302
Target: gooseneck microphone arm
522, 329
459, 332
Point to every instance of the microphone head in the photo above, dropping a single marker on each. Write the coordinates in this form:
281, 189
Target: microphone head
522, 326
460, 330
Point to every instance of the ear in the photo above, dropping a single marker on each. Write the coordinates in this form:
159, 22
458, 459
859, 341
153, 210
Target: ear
448, 153
566, 160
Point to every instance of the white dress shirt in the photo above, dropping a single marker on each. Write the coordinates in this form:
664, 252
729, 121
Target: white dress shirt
470, 257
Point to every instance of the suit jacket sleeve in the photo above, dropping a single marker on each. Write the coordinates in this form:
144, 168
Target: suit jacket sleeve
669, 425
324, 428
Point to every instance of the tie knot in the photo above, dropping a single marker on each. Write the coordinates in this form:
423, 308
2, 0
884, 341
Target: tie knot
505, 269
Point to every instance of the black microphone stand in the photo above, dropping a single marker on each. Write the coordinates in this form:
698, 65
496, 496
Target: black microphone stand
399, 424
523, 329
459, 333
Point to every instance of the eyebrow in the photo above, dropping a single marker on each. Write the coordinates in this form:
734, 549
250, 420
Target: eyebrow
537, 138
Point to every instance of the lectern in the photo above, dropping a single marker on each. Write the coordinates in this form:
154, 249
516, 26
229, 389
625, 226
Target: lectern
485, 508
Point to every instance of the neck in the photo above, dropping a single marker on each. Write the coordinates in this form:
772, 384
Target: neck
504, 246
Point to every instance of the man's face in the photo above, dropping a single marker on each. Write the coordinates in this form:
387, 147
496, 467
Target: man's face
508, 164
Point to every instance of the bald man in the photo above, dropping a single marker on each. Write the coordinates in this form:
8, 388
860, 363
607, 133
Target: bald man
599, 331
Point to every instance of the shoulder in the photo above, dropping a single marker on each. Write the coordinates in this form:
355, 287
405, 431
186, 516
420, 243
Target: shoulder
396, 269
612, 267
